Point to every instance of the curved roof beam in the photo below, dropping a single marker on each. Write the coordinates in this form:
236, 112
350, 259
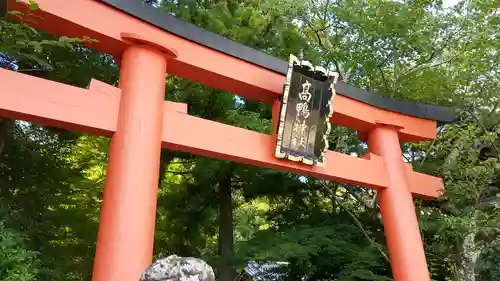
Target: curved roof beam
222, 44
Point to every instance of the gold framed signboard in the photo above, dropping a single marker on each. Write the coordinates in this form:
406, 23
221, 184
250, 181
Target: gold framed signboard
306, 108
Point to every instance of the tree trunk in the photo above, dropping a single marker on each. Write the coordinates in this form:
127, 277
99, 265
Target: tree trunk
6, 126
226, 241
470, 254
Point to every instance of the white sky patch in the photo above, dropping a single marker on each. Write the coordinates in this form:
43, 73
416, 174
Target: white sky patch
450, 3
298, 22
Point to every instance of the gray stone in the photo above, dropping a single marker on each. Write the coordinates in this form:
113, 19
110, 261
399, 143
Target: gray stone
175, 268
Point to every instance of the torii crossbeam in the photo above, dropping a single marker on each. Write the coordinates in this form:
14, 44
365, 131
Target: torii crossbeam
147, 44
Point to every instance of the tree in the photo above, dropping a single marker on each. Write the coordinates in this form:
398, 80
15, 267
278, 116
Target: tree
51, 180
50, 204
16, 263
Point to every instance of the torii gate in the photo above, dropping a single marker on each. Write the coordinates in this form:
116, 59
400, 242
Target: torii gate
147, 43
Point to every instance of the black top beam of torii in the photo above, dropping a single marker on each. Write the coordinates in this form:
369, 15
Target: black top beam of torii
171, 24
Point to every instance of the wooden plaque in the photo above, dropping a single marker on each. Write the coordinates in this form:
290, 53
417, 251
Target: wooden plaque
306, 108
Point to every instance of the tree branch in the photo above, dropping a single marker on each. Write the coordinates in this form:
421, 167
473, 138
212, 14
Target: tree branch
365, 202
430, 147
383, 78
484, 129
6, 127
434, 53
356, 221
183, 162
325, 12
494, 109
406, 158
334, 202
431, 57
179, 173
367, 236
320, 41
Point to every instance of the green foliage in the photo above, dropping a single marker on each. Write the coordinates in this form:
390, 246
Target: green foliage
470, 180
489, 270
16, 262
51, 202
51, 180
23, 42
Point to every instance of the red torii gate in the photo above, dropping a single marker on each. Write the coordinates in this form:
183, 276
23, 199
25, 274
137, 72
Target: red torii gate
148, 43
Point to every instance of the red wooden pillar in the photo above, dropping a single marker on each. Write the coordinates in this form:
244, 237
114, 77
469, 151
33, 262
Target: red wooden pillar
126, 229
405, 245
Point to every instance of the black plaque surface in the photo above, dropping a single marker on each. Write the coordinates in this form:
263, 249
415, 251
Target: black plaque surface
306, 108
